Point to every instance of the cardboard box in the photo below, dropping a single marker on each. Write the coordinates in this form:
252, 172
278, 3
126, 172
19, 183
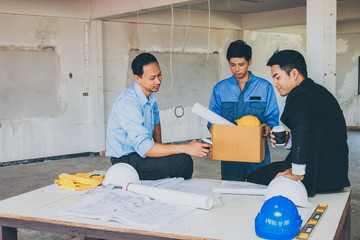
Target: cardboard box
237, 143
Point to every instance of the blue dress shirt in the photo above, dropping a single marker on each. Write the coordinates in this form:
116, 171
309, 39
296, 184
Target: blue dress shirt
131, 123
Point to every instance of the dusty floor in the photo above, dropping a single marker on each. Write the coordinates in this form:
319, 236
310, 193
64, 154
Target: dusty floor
23, 178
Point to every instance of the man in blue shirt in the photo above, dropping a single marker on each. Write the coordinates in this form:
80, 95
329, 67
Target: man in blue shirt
134, 132
240, 95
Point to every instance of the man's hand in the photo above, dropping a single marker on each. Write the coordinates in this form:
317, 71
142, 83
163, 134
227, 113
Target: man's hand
272, 138
197, 149
265, 129
194, 148
288, 173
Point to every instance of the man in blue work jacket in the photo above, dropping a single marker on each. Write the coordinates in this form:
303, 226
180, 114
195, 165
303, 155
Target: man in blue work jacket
240, 95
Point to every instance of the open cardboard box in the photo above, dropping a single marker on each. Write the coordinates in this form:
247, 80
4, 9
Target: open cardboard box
237, 143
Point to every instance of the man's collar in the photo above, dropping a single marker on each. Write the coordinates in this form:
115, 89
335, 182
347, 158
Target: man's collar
304, 80
141, 96
235, 81
251, 76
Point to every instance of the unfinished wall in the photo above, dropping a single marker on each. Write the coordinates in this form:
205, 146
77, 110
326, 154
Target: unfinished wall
266, 41
23, 98
348, 52
61, 120
119, 38
183, 74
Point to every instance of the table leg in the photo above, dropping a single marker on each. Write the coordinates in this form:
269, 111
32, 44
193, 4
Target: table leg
346, 229
8, 233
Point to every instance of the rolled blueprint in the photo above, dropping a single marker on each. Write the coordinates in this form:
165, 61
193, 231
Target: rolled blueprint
172, 196
210, 116
241, 191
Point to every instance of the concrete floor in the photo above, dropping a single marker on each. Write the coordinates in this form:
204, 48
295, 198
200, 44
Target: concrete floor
23, 178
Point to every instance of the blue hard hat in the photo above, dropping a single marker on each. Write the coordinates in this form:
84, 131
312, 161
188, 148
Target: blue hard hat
278, 219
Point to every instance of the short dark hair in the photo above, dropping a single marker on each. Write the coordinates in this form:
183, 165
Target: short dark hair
239, 49
287, 60
140, 61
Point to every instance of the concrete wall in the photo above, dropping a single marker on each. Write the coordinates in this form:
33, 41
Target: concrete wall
74, 123
266, 41
120, 37
347, 68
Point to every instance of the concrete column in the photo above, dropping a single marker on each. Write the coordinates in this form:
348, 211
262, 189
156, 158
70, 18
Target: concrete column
96, 87
321, 42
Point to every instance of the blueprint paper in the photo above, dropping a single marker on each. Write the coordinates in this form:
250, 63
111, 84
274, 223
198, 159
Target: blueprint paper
240, 191
134, 209
241, 188
172, 196
128, 208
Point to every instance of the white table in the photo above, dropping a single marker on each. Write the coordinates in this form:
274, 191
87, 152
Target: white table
38, 210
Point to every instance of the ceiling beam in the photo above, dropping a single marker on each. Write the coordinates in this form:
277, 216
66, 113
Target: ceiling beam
110, 9
346, 10
183, 17
272, 19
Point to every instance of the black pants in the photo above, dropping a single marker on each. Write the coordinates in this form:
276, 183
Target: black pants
153, 168
267, 173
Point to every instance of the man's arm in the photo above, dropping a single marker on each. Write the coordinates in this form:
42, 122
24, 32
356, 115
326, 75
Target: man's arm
151, 146
289, 174
300, 118
157, 133
193, 148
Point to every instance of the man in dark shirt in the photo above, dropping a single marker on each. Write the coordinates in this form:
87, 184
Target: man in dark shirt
319, 151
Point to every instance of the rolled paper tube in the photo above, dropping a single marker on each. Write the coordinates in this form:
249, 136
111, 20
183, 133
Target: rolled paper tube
241, 191
210, 116
172, 196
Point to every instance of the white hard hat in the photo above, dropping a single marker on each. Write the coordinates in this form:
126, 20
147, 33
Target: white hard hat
120, 174
293, 190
